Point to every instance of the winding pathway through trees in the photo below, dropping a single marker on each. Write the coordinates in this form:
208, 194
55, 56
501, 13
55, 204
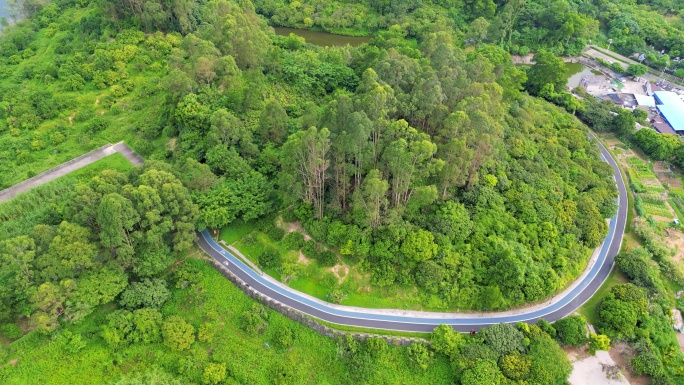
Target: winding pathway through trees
389, 319
415, 321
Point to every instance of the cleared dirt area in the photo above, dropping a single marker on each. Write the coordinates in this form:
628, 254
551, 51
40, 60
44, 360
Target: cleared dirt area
303, 260
340, 271
622, 353
675, 240
595, 370
292, 226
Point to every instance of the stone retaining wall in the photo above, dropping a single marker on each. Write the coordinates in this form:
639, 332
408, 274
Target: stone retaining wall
305, 319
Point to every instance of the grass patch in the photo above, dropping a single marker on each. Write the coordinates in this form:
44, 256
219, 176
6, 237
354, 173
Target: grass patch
236, 230
588, 310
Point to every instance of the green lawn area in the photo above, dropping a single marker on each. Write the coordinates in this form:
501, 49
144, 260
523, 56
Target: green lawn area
588, 310
217, 303
21, 213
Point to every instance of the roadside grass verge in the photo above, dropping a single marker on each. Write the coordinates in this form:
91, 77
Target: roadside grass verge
588, 310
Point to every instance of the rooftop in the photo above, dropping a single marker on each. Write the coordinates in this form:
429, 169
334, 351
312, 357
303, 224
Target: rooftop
674, 114
669, 98
644, 100
663, 128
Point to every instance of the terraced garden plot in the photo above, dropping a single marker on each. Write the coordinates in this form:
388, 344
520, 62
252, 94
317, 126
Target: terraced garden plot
677, 206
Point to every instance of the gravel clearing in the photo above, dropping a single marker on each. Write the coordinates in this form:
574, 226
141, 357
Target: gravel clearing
595, 370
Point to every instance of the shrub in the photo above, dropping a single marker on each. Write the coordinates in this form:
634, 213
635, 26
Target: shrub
206, 333
178, 334
12, 331
309, 249
648, 360
214, 374
571, 330
284, 337
327, 258
275, 233
293, 240
598, 342
270, 259
337, 295
419, 355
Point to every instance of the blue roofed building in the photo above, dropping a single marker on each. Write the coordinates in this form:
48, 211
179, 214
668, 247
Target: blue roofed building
671, 108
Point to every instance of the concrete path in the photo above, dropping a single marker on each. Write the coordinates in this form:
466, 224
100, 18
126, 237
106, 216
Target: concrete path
69, 166
128, 153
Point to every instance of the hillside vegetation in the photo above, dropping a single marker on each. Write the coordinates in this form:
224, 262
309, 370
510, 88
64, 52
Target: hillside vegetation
423, 162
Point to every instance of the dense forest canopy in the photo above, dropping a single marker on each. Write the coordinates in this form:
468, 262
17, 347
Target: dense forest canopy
427, 164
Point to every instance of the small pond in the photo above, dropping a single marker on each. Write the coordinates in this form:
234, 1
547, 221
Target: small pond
322, 39
575, 73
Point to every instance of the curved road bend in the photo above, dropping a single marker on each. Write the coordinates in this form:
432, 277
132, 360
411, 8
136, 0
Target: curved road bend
426, 321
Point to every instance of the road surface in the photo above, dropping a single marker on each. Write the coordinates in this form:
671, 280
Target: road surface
413, 321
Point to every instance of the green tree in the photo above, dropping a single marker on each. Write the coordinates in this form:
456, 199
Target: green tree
483, 372
419, 355
447, 341
515, 366
117, 218
150, 293
571, 330
503, 338
598, 342
147, 323
419, 246
624, 122
373, 197
637, 70
247, 197
214, 374
178, 334
305, 161
273, 122
548, 69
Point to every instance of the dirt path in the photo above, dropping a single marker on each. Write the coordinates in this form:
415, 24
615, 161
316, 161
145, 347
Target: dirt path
69, 166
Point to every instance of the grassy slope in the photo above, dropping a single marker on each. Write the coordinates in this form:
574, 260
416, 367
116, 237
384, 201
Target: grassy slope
217, 301
135, 109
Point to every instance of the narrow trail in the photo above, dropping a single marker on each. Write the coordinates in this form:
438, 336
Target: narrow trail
69, 166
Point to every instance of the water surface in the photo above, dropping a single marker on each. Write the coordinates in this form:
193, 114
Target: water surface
575, 73
322, 39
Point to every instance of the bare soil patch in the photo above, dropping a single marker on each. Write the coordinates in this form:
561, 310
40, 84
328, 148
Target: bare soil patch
596, 370
680, 340
676, 241
622, 353
575, 353
340, 271
303, 260
292, 226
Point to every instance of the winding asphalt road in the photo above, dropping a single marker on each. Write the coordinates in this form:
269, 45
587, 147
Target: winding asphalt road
425, 321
